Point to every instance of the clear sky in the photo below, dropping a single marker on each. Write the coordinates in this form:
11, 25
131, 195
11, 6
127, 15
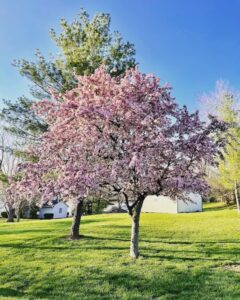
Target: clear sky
188, 43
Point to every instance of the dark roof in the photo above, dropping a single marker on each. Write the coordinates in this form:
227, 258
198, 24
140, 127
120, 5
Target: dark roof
46, 205
52, 203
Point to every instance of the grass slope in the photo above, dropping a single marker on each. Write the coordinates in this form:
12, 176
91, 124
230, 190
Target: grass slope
185, 256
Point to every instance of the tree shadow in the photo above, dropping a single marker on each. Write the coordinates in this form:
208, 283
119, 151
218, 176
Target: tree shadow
22, 231
174, 284
219, 208
166, 241
89, 242
128, 282
200, 251
105, 238
7, 292
183, 258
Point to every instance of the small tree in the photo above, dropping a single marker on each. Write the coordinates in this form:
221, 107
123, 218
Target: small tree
8, 165
58, 171
229, 169
224, 104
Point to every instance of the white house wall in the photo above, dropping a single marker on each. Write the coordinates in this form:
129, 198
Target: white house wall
55, 211
115, 206
162, 204
159, 204
190, 206
45, 210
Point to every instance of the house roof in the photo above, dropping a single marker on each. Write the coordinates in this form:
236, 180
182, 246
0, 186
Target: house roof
52, 203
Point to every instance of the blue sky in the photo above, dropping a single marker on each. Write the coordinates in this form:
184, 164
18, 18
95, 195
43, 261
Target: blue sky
188, 43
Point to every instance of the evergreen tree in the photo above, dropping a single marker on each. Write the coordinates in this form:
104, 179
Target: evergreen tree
84, 45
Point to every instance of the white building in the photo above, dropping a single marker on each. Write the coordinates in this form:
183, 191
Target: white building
115, 206
58, 208
163, 204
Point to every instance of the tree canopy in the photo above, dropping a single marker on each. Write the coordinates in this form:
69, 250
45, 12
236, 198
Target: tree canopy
224, 104
125, 134
83, 46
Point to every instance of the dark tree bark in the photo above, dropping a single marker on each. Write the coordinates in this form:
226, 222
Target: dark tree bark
10, 215
18, 212
18, 216
236, 197
134, 247
75, 230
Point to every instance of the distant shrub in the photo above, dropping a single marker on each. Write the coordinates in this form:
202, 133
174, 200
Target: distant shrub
4, 214
33, 210
48, 216
94, 206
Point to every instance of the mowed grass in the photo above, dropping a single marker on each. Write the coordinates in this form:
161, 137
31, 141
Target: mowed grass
184, 256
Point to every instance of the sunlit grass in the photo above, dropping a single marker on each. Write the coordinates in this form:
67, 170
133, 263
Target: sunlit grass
184, 256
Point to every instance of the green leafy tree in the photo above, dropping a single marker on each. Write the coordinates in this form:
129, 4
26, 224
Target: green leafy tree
83, 45
229, 168
8, 168
229, 165
223, 103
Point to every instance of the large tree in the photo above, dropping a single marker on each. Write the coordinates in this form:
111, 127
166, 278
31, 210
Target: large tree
83, 45
127, 135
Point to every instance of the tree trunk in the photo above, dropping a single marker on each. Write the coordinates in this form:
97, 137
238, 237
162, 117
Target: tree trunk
236, 197
134, 248
10, 215
18, 216
75, 230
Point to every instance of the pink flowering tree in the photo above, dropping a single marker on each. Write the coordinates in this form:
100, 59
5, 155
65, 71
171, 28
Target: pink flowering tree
123, 134
58, 171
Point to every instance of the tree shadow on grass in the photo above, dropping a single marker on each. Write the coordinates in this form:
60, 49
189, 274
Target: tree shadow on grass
166, 241
214, 255
63, 243
90, 237
175, 284
13, 230
183, 258
22, 231
129, 282
219, 208
7, 292
88, 242
200, 251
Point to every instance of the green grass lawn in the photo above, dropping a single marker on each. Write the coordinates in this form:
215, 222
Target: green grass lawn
184, 256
